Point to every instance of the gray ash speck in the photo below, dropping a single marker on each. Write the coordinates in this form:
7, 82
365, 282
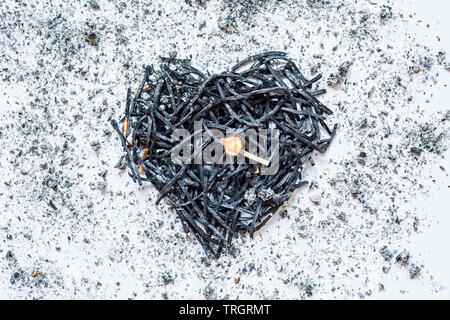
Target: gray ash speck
336, 78
386, 253
96, 145
92, 39
414, 271
402, 258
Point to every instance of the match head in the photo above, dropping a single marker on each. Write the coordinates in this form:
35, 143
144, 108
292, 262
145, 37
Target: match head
232, 145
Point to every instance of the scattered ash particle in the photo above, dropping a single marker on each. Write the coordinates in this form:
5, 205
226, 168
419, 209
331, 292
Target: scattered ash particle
96, 145
402, 258
447, 66
440, 57
17, 277
428, 137
283, 214
386, 253
318, 3
52, 205
94, 4
336, 78
386, 13
209, 293
167, 279
414, 271
92, 39
309, 290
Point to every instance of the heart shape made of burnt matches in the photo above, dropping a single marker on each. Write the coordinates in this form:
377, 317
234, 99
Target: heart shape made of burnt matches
225, 151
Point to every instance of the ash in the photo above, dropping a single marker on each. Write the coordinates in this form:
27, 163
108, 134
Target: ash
73, 227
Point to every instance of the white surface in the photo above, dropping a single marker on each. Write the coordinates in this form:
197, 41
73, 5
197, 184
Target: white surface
339, 260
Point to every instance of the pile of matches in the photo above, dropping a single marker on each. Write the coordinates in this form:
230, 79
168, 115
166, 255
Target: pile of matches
218, 200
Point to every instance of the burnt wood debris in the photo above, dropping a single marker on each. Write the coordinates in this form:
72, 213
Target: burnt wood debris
218, 202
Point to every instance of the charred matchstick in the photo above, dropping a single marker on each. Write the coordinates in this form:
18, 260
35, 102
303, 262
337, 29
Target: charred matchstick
217, 203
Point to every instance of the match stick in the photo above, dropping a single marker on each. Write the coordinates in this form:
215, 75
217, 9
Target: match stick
256, 158
233, 146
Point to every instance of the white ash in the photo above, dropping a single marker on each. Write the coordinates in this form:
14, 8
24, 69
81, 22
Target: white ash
250, 195
266, 194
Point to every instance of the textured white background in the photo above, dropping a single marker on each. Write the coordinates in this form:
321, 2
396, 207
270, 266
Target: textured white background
131, 249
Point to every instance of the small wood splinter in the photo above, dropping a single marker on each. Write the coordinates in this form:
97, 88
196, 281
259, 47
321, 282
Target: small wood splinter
125, 128
233, 146
125, 131
144, 156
